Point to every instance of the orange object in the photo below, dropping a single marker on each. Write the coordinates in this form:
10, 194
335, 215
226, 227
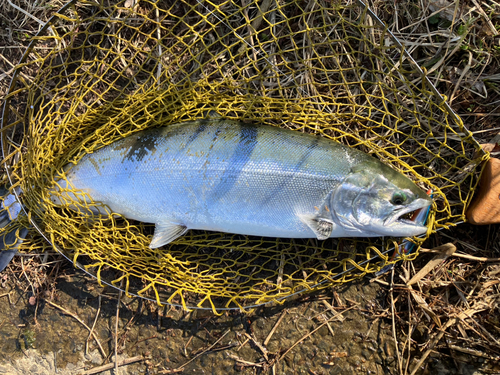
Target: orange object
485, 208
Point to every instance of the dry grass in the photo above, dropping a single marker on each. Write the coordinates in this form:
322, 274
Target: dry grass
452, 312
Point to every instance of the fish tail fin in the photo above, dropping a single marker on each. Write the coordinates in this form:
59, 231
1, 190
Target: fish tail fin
11, 237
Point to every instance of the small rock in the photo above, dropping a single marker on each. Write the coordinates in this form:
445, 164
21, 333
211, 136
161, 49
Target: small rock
366, 353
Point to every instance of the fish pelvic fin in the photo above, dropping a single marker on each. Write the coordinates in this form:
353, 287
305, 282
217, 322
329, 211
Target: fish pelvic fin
10, 238
166, 232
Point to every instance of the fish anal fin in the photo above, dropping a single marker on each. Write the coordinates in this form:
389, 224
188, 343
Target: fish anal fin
166, 232
321, 227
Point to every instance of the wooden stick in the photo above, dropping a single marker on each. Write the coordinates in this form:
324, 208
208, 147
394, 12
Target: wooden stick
485, 17
444, 251
109, 366
473, 352
181, 368
93, 325
81, 322
242, 345
461, 255
463, 315
116, 326
301, 339
258, 345
310, 333
266, 341
393, 319
242, 361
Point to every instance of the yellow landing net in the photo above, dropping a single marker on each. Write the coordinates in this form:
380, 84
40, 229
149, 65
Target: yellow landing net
98, 72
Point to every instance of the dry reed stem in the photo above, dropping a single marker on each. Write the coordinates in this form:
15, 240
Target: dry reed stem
181, 368
93, 324
444, 251
109, 366
74, 316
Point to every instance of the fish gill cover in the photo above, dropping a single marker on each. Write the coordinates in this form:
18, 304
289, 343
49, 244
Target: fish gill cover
97, 73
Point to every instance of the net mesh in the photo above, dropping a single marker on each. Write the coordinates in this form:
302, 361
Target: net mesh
98, 73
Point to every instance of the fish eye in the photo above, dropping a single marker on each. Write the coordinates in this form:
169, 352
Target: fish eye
398, 198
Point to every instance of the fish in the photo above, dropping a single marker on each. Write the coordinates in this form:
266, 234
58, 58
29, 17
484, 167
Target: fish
243, 178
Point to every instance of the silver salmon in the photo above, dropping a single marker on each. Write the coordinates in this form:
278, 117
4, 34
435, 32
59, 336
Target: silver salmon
227, 176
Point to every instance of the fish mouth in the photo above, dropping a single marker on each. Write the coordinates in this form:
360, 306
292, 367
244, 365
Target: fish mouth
399, 223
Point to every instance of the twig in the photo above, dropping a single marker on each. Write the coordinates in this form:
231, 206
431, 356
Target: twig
219, 348
322, 316
26, 13
191, 338
301, 339
181, 368
258, 345
465, 256
173, 371
160, 53
310, 333
242, 345
486, 18
5, 294
465, 314
142, 340
372, 324
187, 344
473, 352
27, 278
246, 363
266, 341
444, 252
336, 314
109, 366
81, 322
281, 267
93, 325
377, 280
116, 326
408, 336
391, 292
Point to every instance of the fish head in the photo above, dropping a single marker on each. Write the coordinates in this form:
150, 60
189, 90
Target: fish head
373, 200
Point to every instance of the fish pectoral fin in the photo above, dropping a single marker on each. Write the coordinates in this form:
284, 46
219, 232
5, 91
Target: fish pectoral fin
321, 227
166, 232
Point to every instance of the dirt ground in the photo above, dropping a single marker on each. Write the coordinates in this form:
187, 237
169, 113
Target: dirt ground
347, 340
447, 324
305, 336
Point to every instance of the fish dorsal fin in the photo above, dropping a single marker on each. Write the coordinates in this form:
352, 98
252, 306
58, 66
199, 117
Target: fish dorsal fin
321, 227
166, 232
